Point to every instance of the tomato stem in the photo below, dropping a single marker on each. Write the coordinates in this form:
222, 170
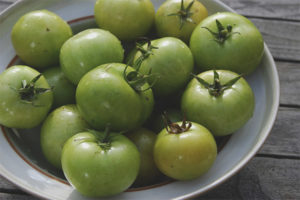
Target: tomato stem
136, 79
184, 14
174, 128
223, 33
28, 92
216, 89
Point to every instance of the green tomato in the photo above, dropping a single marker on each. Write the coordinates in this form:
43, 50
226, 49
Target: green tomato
171, 62
237, 45
127, 19
171, 19
63, 89
187, 154
23, 104
104, 97
144, 140
59, 126
87, 50
38, 36
223, 113
99, 167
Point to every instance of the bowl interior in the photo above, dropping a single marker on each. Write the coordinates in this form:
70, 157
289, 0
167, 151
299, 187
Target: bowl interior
21, 158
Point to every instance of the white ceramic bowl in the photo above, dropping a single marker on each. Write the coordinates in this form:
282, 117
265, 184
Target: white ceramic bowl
21, 161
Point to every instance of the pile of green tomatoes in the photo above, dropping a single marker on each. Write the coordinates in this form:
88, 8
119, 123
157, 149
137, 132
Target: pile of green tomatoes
113, 118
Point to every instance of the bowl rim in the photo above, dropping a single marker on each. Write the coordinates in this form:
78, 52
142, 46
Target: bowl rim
256, 147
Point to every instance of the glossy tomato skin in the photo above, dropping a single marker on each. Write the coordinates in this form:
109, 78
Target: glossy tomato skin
59, 126
87, 50
63, 89
172, 63
170, 25
14, 112
98, 172
222, 115
38, 36
241, 52
103, 96
186, 155
144, 139
127, 19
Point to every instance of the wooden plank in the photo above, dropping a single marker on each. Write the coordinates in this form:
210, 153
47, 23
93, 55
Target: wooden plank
261, 178
7, 196
283, 9
281, 37
289, 83
284, 137
6, 185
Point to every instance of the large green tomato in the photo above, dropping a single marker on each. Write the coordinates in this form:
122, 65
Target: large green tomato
187, 153
63, 89
99, 167
25, 97
222, 109
104, 97
87, 50
227, 41
171, 61
144, 140
38, 36
59, 126
127, 19
179, 20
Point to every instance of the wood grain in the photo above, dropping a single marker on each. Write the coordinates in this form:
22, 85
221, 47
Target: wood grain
261, 179
281, 37
289, 74
285, 135
280, 9
16, 197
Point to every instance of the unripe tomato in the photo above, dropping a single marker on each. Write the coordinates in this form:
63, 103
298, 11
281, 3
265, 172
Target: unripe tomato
87, 50
176, 20
25, 99
127, 19
38, 36
222, 111
186, 153
104, 97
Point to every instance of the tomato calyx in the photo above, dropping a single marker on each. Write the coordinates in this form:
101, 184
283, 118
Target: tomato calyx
216, 89
136, 79
223, 32
103, 139
184, 14
29, 92
174, 128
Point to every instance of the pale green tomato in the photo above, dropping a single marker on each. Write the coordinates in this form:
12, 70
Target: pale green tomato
186, 155
18, 108
127, 19
240, 49
169, 24
59, 126
38, 36
97, 168
144, 140
63, 89
104, 97
223, 114
87, 50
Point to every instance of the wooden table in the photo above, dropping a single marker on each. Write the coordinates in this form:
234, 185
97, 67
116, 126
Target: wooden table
274, 173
